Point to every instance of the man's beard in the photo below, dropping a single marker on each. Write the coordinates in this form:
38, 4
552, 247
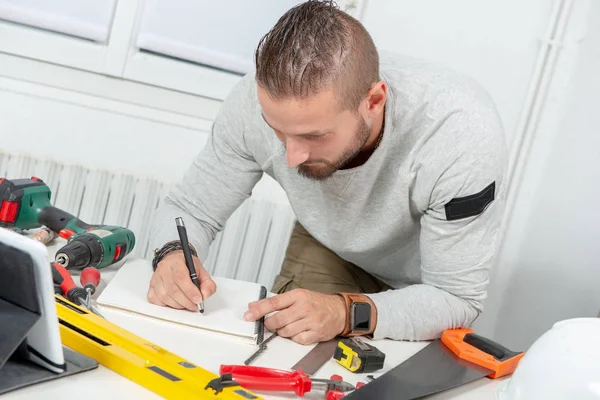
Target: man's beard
321, 169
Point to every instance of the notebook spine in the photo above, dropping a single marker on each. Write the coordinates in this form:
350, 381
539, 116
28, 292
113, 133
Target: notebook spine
259, 327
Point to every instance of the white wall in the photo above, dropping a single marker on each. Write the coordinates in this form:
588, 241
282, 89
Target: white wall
549, 266
76, 117
97, 121
496, 42
78, 134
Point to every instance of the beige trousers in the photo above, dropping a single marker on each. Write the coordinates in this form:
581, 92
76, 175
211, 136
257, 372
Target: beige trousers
310, 265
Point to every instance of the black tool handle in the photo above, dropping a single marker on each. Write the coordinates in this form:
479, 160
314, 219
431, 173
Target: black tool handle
57, 219
92, 288
77, 295
494, 349
57, 289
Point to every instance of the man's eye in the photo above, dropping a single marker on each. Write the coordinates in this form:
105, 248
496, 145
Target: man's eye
314, 137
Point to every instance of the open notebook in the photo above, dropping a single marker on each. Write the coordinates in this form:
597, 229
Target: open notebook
223, 311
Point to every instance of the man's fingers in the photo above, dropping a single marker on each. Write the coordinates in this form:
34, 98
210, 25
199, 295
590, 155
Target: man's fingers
282, 318
167, 300
305, 337
174, 290
293, 329
152, 298
163, 295
263, 307
187, 286
207, 285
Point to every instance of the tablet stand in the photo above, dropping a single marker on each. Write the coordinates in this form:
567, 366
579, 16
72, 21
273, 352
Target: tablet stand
19, 312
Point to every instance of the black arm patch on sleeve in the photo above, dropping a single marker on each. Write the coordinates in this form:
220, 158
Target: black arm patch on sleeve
469, 206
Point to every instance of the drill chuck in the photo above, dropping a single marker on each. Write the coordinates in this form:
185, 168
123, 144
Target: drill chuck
80, 252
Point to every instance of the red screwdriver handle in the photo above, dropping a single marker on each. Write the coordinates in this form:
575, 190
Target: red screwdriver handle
298, 385
90, 275
62, 277
260, 378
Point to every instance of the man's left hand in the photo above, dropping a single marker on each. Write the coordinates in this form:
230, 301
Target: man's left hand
304, 316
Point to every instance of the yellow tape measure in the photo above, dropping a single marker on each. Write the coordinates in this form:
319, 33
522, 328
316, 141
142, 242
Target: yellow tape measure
143, 362
357, 356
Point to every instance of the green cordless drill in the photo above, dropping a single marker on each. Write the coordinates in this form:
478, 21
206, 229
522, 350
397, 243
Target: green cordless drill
25, 204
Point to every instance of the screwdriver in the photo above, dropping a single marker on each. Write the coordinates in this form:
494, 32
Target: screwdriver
63, 278
89, 279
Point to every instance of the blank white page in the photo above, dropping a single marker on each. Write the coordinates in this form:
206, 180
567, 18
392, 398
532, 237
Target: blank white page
223, 312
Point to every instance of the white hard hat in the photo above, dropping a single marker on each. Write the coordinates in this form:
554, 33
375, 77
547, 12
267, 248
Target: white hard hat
564, 363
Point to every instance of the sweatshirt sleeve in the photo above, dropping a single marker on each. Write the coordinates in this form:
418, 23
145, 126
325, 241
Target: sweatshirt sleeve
221, 177
460, 181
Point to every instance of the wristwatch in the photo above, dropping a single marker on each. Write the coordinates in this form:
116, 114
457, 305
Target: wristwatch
361, 314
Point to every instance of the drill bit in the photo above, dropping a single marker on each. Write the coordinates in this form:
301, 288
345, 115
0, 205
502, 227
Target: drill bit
92, 308
88, 298
95, 310
44, 235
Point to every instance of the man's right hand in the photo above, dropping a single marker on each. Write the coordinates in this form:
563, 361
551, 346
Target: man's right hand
172, 286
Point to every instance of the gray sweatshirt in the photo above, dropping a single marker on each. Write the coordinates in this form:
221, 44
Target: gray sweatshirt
422, 214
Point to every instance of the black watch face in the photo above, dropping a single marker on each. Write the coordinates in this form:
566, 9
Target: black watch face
362, 317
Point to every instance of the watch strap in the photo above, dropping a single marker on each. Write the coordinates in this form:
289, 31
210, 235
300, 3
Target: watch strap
350, 299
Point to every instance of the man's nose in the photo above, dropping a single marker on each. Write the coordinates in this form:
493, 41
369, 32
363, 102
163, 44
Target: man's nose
295, 153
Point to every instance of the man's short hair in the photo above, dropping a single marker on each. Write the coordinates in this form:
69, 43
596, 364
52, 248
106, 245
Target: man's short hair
315, 45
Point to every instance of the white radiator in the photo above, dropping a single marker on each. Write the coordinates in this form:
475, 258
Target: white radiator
251, 246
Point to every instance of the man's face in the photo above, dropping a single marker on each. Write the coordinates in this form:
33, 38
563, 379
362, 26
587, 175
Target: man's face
318, 136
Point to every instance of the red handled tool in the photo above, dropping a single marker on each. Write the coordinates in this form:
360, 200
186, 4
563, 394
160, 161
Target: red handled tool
62, 278
267, 379
89, 279
333, 393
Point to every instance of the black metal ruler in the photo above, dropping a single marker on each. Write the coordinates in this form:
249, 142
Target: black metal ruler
317, 357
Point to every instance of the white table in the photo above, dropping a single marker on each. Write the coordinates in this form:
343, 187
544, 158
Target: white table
209, 350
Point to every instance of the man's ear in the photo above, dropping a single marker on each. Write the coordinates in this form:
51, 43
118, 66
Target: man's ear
376, 98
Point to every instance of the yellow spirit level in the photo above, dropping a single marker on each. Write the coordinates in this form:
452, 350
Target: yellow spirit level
143, 362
